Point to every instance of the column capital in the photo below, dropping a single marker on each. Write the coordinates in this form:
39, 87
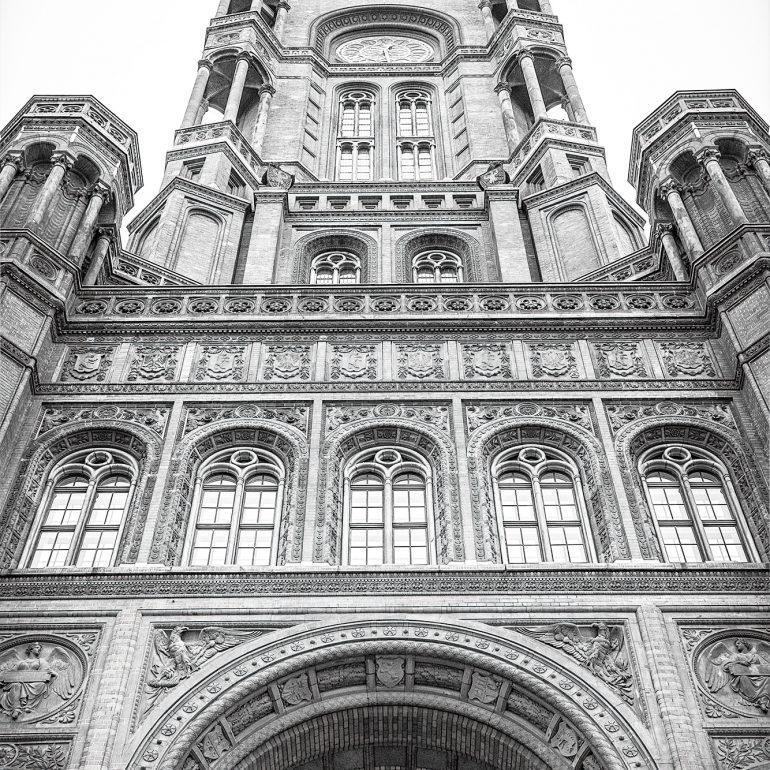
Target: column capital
209, 65
563, 61
266, 88
243, 56
63, 159
758, 153
708, 154
13, 159
102, 189
524, 53
663, 228
485, 4
283, 5
503, 86
668, 188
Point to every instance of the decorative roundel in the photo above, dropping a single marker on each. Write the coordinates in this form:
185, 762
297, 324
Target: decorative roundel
384, 50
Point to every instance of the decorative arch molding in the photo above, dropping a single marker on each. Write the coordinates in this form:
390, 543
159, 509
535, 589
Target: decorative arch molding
325, 31
435, 446
288, 443
748, 483
42, 455
311, 245
586, 451
576, 253
508, 683
464, 245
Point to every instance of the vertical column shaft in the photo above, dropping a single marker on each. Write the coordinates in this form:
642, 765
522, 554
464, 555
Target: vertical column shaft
265, 97
545, 6
666, 232
564, 66
236, 89
758, 158
45, 196
100, 252
567, 107
280, 19
512, 5
527, 63
87, 224
684, 224
8, 174
509, 119
198, 92
202, 110
710, 160
223, 8
486, 15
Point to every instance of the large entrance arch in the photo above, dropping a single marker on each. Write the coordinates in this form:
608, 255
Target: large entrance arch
399, 693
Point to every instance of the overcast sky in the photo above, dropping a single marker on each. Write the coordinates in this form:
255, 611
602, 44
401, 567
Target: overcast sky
140, 58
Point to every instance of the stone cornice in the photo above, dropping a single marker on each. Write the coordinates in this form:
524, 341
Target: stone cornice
614, 579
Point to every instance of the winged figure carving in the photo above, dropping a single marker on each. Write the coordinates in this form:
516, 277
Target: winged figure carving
599, 650
36, 676
177, 659
741, 666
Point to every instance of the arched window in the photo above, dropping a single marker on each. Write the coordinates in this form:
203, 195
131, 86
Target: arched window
387, 500
236, 505
416, 141
355, 137
694, 507
335, 267
83, 511
437, 267
540, 508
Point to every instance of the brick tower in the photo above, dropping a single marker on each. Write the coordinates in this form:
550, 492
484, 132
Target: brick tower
386, 442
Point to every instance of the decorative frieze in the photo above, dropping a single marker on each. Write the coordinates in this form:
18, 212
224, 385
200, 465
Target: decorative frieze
742, 753
221, 362
87, 364
421, 362
287, 362
25, 755
486, 362
150, 416
553, 360
154, 363
687, 359
196, 417
437, 416
353, 362
620, 359
479, 415
621, 414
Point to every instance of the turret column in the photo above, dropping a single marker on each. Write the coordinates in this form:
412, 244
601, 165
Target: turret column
564, 65
61, 163
710, 160
669, 192
99, 197
280, 18
509, 119
224, 7
527, 63
666, 233
100, 252
236, 89
758, 159
486, 15
545, 7
196, 97
265, 97
512, 5
566, 105
11, 166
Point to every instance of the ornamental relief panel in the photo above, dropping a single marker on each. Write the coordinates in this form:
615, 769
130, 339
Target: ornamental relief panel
40, 755
742, 752
435, 415
43, 677
731, 670
154, 363
554, 360
87, 364
353, 362
478, 415
621, 414
150, 416
620, 360
198, 416
687, 359
287, 362
220, 362
484, 362
420, 362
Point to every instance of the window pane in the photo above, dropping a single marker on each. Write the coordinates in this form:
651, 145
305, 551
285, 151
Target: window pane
254, 547
366, 506
426, 275
425, 163
348, 276
108, 509
97, 548
668, 503
324, 276
364, 164
567, 544
366, 547
217, 505
680, 544
364, 120
725, 544
410, 546
407, 163
559, 504
711, 503
346, 164
523, 545
348, 123
52, 549
408, 505
210, 547
65, 508
449, 274
517, 504
421, 117
405, 119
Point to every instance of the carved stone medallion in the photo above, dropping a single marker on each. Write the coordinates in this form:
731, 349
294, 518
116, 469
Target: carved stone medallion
296, 690
287, 362
553, 360
85, 363
620, 359
221, 362
420, 362
390, 671
483, 689
154, 363
687, 359
565, 740
485, 362
353, 362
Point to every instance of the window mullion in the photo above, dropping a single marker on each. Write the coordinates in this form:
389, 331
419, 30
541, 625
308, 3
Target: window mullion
80, 525
387, 540
235, 520
277, 517
542, 523
699, 528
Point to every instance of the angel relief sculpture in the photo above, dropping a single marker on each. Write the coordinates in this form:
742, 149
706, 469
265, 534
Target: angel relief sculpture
176, 658
598, 647
35, 680
739, 666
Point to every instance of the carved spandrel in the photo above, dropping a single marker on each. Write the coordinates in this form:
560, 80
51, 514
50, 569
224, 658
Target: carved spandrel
153, 417
437, 416
296, 416
479, 415
621, 414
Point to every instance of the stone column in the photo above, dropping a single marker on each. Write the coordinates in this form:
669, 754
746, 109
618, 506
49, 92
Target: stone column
198, 92
545, 6
224, 7
489, 21
527, 63
99, 197
202, 110
710, 160
758, 159
236, 89
61, 163
509, 120
100, 252
666, 233
266, 93
564, 65
11, 165
566, 105
669, 191
512, 5
280, 19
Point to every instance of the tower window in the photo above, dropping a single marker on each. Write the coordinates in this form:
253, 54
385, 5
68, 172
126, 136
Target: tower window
335, 268
437, 267
416, 142
355, 137
192, 169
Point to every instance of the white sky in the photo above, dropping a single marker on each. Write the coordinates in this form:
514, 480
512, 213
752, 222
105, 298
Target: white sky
140, 59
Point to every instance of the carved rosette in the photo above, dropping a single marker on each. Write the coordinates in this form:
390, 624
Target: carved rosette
154, 363
87, 364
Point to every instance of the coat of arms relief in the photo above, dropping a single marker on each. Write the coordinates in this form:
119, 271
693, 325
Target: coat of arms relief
483, 362
87, 363
287, 362
221, 362
420, 362
154, 363
620, 359
353, 362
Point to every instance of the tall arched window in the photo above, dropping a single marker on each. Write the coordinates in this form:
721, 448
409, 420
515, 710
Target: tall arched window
388, 503
83, 511
236, 505
437, 267
355, 137
540, 509
694, 507
335, 267
416, 142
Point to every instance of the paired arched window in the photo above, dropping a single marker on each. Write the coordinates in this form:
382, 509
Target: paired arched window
694, 507
335, 267
416, 141
355, 137
437, 267
236, 505
83, 511
540, 507
388, 504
